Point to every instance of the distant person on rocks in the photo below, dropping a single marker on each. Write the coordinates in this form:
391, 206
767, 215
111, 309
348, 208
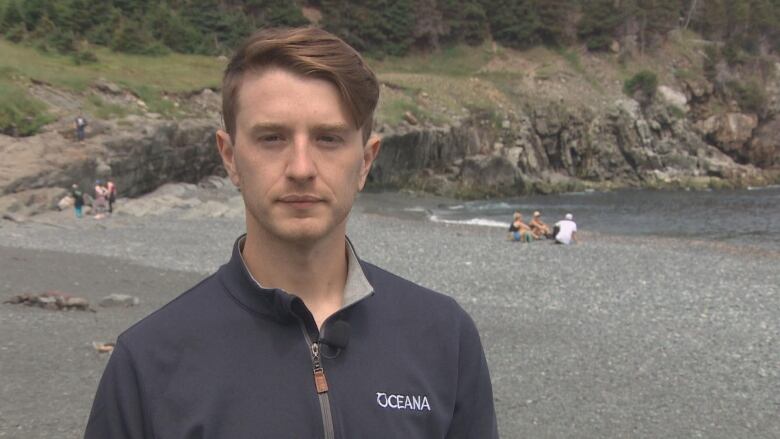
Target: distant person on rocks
518, 230
111, 190
296, 336
538, 227
81, 125
78, 199
101, 199
566, 230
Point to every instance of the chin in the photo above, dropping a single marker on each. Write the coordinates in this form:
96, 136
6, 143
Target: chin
302, 232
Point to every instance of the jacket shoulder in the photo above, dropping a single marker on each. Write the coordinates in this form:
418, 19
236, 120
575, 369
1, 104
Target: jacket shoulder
177, 317
410, 296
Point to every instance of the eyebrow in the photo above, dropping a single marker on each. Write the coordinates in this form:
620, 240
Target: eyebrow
337, 127
263, 127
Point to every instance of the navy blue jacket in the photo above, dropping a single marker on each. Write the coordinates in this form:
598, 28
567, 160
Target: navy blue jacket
229, 359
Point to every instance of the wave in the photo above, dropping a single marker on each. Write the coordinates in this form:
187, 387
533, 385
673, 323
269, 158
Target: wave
490, 206
484, 222
416, 209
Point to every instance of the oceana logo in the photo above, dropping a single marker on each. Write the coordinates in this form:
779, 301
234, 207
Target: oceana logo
403, 402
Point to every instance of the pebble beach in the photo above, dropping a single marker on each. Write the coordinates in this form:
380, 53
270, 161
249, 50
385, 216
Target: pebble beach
616, 337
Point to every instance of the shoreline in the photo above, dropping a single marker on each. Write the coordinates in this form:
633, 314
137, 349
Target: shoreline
659, 337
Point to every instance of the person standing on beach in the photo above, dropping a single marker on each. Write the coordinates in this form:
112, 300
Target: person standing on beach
81, 126
296, 336
111, 194
78, 199
99, 204
566, 230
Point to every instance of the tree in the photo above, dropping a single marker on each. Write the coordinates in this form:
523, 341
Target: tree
464, 21
12, 17
513, 22
554, 18
429, 24
599, 23
275, 13
379, 27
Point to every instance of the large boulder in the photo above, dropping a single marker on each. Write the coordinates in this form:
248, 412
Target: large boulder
764, 150
730, 132
494, 173
673, 97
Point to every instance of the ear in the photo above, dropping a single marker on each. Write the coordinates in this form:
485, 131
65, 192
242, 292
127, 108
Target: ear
370, 153
228, 154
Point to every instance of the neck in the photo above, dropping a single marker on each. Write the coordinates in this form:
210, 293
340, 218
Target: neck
315, 272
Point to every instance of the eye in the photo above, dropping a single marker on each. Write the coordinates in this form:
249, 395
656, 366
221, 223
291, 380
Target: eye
270, 139
329, 140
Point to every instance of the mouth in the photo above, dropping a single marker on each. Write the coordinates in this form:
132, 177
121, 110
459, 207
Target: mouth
300, 201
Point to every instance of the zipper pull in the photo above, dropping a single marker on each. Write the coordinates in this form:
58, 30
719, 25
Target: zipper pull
319, 374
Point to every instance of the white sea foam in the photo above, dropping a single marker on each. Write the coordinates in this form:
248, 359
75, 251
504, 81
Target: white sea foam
483, 222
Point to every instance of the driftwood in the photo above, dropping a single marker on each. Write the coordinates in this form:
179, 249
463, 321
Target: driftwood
54, 300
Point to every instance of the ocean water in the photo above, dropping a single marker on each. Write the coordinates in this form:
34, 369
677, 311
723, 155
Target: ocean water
749, 217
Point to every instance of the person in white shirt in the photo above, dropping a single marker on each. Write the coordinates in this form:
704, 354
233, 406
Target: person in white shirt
566, 230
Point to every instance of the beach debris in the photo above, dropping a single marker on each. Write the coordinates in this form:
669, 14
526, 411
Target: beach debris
119, 300
13, 217
103, 347
53, 300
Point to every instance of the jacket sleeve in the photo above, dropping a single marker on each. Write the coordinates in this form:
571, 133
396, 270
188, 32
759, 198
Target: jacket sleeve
118, 408
474, 415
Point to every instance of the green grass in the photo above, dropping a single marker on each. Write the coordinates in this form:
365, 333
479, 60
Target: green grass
452, 61
20, 114
174, 72
147, 76
105, 110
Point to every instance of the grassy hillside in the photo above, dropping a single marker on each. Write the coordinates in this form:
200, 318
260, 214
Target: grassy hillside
147, 77
436, 88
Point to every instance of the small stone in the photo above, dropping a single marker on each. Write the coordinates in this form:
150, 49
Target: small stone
119, 300
409, 117
506, 124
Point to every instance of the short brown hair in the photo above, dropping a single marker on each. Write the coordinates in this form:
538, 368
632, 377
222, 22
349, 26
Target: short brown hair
308, 52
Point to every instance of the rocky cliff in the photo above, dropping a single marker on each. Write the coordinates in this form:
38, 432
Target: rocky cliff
541, 132
550, 146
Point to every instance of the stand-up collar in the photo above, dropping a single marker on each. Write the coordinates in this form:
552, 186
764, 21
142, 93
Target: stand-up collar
240, 283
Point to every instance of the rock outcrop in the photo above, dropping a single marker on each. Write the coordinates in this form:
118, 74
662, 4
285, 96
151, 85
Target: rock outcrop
139, 153
549, 147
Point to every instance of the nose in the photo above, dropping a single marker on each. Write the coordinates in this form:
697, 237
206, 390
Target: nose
301, 165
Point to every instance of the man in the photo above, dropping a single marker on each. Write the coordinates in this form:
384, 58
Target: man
566, 230
296, 337
538, 227
81, 125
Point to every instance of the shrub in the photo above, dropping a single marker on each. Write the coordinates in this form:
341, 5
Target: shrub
84, 57
19, 114
641, 86
750, 96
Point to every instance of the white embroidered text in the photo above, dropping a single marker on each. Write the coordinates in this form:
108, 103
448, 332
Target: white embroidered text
403, 402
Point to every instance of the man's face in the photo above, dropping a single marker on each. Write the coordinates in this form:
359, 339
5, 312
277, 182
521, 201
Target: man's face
297, 157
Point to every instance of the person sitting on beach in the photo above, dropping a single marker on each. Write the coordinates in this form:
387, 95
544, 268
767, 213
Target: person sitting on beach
566, 230
539, 228
518, 230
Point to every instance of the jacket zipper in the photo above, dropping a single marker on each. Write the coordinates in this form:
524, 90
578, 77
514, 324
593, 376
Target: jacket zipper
320, 384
